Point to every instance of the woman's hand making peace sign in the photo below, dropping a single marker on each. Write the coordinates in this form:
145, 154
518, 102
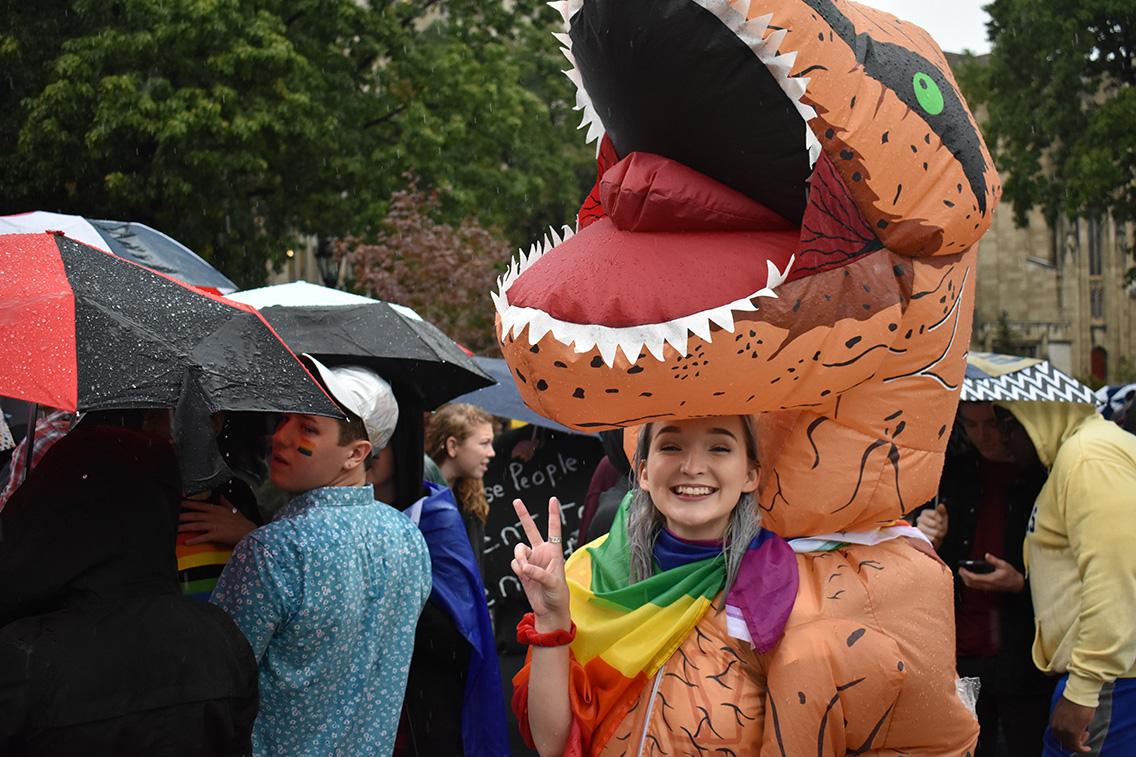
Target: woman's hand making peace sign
540, 568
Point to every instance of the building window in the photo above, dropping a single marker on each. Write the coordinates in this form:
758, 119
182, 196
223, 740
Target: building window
1096, 300
1096, 244
1057, 234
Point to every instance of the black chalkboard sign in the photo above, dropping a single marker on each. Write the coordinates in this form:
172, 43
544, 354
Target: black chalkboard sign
534, 464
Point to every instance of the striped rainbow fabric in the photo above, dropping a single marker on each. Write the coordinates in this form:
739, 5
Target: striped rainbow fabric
625, 633
199, 566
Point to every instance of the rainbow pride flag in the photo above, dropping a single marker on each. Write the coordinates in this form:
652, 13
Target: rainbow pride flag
626, 632
199, 566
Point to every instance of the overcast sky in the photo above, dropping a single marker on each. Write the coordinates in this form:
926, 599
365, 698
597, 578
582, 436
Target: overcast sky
955, 25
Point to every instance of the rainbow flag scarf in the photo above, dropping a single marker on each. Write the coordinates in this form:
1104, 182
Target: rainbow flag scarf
625, 632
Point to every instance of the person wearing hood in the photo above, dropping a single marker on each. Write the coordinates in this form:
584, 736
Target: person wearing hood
1082, 570
329, 592
99, 652
977, 522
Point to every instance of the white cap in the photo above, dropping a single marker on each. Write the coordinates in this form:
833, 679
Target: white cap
364, 393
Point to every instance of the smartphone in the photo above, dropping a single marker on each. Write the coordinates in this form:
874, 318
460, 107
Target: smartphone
976, 566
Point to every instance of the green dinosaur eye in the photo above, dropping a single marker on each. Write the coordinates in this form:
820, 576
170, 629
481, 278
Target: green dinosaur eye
928, 94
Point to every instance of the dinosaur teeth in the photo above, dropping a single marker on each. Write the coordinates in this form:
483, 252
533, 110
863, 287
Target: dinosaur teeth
699, 326
607, 351
722, 318
775, 277
525, 260
561, 8
590, 119
630, 340
540, 325
768, 50
566, 9
770, 45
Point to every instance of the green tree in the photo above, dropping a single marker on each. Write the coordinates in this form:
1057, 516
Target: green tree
1058, 89
237, 126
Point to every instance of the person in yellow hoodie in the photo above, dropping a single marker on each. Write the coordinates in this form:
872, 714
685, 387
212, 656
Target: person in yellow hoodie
1081, 560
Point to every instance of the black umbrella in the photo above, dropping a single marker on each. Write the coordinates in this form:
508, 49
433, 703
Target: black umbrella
993, 377
339, 328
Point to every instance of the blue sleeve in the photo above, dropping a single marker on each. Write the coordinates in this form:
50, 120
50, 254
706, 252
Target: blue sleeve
254, 589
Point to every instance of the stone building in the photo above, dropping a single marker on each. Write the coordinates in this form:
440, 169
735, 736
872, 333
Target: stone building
1059, 294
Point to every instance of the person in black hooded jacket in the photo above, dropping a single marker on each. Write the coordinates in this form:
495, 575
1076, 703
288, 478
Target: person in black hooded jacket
981, 514
99, 651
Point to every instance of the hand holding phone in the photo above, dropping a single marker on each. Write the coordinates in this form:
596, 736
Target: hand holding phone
991, 574
976, 566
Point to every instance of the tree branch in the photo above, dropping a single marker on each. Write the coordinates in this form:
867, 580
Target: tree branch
384, 118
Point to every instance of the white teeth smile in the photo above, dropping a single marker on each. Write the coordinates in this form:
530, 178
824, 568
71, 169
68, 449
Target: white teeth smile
693, 491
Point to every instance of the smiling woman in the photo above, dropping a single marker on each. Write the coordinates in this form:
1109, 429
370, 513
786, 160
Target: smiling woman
686, 566
696, 480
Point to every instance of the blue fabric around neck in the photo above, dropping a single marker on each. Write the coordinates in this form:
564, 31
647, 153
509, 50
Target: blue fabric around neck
673, 552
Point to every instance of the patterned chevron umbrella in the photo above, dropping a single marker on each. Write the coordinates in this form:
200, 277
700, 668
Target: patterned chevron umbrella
992, 377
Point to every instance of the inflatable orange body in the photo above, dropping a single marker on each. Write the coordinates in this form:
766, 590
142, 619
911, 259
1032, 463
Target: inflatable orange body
785, 225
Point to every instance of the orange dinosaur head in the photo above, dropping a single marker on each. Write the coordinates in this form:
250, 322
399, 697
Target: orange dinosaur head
788, 194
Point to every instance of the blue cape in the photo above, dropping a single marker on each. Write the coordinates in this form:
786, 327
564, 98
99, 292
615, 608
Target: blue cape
458, 591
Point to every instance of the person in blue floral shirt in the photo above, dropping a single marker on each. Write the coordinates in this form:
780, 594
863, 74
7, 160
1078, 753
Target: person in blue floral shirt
329, 592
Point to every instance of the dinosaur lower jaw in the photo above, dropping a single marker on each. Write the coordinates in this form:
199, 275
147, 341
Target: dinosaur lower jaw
642, 291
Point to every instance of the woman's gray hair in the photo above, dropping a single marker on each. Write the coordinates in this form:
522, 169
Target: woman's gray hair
644, 521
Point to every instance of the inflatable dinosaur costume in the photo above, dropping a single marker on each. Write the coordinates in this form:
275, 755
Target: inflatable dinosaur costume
784, 224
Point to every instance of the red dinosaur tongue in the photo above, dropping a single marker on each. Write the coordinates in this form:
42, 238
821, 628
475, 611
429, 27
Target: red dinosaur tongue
645, 192
674, 243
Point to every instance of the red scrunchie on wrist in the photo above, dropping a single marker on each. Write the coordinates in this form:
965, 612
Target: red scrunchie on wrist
527, 634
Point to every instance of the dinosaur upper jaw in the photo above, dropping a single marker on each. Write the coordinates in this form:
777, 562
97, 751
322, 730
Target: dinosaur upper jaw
630, 59
783, 83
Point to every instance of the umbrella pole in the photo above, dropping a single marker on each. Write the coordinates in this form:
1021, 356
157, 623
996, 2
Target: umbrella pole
29, 437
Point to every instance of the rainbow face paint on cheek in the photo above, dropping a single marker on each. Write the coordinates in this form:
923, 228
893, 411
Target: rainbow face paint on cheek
305, 447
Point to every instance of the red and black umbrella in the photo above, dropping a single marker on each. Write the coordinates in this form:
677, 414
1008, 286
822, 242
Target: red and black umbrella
86, 330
